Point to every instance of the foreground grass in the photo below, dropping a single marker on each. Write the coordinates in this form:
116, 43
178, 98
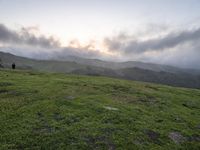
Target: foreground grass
57, 111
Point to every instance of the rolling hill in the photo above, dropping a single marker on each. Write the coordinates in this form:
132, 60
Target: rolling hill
127, 70
59, 111
128, 64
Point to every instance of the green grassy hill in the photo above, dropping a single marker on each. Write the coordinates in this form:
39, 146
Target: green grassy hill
127, 70
58, 111
156, 73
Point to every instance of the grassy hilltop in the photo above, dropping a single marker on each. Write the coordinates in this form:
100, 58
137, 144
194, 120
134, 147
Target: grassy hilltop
58, 111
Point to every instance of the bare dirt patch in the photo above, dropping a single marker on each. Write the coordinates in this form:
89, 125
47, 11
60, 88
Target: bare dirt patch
176, 137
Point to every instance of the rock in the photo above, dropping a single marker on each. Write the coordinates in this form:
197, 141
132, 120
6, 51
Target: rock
110, 108
70, 97
176, 137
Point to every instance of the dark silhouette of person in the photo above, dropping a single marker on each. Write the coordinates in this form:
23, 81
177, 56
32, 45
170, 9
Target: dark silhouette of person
13, 65
1, 66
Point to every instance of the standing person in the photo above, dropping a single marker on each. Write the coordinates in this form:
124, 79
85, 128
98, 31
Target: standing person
13, 65
1, 66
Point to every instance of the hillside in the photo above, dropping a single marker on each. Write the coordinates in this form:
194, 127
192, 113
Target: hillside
127, 70
59, 111
39, 65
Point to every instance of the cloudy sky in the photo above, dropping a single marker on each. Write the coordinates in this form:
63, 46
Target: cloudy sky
158, 31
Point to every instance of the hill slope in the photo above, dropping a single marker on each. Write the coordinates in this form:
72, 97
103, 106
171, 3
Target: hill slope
170, 76
57, 111
39, 65
127, 64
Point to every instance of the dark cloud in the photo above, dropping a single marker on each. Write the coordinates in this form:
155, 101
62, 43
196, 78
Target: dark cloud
161, 43
25, 37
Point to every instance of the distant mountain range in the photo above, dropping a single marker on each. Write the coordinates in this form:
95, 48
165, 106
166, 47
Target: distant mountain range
131, 70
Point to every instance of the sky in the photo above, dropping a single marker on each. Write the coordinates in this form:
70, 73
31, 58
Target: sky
156, 31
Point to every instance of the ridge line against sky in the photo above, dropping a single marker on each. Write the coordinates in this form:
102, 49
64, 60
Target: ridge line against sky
165, 32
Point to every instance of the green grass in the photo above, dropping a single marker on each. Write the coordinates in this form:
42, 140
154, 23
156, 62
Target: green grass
58, 111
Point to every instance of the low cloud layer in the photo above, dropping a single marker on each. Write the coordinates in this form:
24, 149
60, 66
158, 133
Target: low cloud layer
179, 48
